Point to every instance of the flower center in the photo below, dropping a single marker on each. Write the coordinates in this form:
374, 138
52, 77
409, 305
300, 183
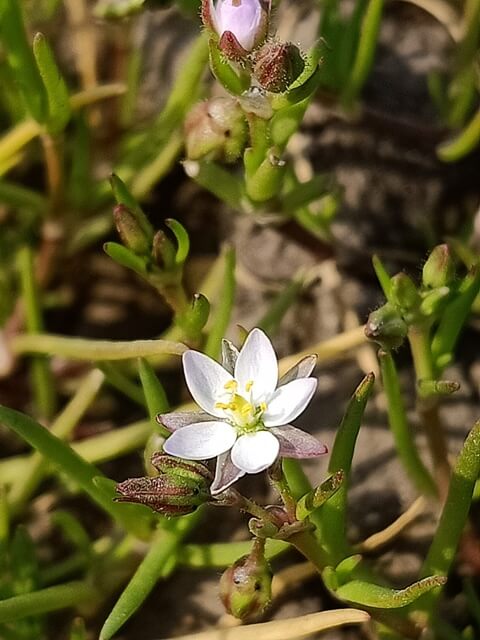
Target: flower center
242, 414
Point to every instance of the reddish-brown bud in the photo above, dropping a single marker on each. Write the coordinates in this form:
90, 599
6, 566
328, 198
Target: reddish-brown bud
277, 65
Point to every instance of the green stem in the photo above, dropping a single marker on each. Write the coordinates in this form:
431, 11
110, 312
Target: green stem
462, 144
419, 339
222, 311
42, 379
83, 349
399, 426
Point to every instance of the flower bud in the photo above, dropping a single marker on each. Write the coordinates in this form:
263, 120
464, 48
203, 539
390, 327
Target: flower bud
216, 127
404, 292
241, 25
386, 326
246, 586
277, 65
130, 230
439, 269
180, 488
189, 470
163, 251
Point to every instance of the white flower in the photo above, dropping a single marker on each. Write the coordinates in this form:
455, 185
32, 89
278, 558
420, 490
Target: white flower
246, 411
245, 20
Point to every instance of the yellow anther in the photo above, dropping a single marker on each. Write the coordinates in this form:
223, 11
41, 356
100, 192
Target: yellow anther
222, 405
263, 406
249, 385
231, 385
233, 406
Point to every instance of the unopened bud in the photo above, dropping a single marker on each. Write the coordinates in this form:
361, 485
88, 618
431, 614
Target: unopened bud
170, 496
386, 326
241, 25
246, 586
277, 65
439, 269
163, 251
131, 232
218, 128
189, 470
404, 292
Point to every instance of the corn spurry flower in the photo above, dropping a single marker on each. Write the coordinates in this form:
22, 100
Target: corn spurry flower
246, 411
241, 25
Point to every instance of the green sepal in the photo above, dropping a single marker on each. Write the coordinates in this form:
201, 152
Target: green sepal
367, 594
183, 241
224, 73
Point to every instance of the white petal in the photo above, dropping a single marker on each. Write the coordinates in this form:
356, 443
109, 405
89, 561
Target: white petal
257, 362
303, 369
289, 401
206, 381
201, 441
295, 443
226, 473
255, 452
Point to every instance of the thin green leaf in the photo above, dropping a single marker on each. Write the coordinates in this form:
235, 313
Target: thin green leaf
70, 594
280, 305
367, 594
365, 52
383, 277
59, 110
21, 59
455, 511
332, 518
157, 564
454, 317
75, 468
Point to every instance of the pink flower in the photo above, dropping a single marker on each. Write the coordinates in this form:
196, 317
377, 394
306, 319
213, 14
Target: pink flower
241, 25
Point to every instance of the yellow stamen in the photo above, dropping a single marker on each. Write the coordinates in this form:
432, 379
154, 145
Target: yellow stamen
222, 405
249, 385
263, 406
231, 385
